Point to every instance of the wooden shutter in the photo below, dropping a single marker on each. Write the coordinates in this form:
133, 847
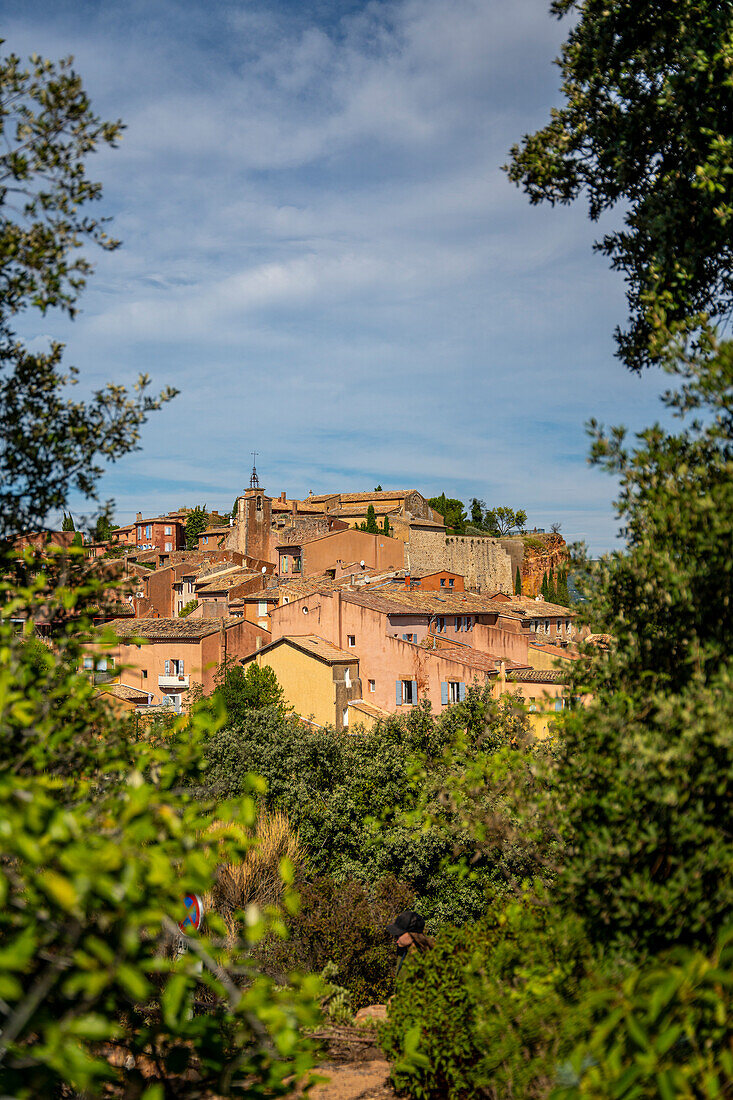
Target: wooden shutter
398, 690
461, 692
444, 693
167, 668
414, 691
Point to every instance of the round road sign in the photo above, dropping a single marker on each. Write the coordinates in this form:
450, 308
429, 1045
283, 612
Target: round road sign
194, 913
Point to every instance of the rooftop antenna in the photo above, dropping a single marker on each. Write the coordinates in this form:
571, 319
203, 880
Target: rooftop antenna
254, 481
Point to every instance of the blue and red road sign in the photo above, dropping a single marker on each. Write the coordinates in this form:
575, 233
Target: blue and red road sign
194, 914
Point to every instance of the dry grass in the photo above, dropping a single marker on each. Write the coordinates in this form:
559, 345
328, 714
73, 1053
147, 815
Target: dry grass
256, 880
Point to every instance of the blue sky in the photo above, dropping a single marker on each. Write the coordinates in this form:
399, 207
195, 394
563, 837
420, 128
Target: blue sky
321, 252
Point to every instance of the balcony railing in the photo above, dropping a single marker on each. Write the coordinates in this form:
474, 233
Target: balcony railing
174, 682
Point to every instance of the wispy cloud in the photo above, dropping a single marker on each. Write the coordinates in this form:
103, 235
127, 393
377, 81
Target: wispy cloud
321, 251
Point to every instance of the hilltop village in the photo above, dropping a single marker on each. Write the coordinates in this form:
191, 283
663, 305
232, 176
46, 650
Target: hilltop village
357, 623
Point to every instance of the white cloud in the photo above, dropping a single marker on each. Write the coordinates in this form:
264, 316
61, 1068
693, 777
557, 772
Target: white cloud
320, 249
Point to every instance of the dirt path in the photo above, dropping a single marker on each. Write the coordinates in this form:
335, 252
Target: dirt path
366, 1080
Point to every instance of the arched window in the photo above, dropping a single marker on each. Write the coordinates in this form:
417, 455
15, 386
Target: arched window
259, 504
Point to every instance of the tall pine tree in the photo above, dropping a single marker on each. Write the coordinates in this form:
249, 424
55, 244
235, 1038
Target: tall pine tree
518, 583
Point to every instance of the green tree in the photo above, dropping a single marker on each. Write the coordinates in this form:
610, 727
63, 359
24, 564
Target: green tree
371, 521
500, 521
197, 521
656, 744
241, 691
518, 583
452, 512
562, 594
377, 488
645, 126
67, 524
96, 830
478, 508
551, 596
387, 529
544, 587
103, 528
51, 443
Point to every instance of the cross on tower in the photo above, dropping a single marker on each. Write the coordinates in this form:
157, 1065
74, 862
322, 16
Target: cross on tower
254, 482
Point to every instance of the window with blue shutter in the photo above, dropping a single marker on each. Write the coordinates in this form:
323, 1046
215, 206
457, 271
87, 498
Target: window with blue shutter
398, 692
444, 694
458, 621
558, 704
414, 691
461, 692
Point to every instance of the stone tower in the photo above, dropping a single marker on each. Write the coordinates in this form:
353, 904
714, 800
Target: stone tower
254, 520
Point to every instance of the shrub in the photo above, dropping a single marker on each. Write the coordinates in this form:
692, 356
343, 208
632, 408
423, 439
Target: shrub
345, 923
433, 999
490, 1010
256, 879
665, 1032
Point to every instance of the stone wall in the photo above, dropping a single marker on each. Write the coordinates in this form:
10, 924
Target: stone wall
482, 561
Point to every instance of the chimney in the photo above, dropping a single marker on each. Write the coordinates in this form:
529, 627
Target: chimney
139, 517
283, 497
294, 507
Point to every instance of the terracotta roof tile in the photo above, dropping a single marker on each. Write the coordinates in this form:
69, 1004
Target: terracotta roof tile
538, 676
312, 644
124, 691
348, 498
188, 629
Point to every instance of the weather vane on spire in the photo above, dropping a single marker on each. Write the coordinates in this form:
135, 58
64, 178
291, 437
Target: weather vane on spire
254, 482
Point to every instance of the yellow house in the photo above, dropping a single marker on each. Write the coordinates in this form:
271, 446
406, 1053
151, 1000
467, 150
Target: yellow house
543, 692
320, 681
545, 657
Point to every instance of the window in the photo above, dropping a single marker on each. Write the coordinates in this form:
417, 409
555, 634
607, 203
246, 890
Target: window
144, 673
88, 664
452, 691
149, 531
347, 678
174, 667
442, 582
168, 531
547, 626
460, 622
206, 540
262, 607
169, 546
351, 640
406, 691
345, 717
440, 624
450, 582
568, 627
286, 599
296, 565
259, 504
372, 685
409, 637
283, 564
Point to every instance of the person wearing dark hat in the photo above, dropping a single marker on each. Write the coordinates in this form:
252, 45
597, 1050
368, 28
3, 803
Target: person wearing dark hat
407, 931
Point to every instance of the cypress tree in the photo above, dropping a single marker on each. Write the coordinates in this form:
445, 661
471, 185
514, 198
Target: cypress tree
371, 521
518, 583
543, 589
551, 591
387, 528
